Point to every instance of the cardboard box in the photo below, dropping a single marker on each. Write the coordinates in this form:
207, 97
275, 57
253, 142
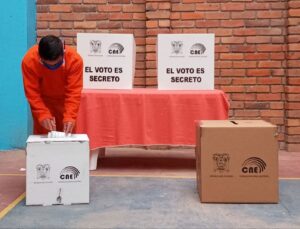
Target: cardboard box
57, 170
237, 161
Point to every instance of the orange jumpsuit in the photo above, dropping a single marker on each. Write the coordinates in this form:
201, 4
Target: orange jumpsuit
52, 93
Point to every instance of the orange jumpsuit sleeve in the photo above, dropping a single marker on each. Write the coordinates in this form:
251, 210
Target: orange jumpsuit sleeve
73, 90
33, 94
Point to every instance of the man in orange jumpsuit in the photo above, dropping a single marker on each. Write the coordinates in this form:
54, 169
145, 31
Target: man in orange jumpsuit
52, 76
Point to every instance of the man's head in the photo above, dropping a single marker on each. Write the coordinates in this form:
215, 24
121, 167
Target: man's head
51, 51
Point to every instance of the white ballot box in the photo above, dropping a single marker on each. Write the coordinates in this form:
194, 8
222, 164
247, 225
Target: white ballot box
57, 170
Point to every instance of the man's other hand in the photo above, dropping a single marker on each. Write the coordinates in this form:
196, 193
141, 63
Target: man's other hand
68, 127
49, 124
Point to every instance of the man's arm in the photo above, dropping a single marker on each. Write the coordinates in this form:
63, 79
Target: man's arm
33, 94
72, 95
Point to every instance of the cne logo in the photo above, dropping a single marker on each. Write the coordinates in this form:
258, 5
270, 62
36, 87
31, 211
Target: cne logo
197, 49
254, 165
69, 173
115, 49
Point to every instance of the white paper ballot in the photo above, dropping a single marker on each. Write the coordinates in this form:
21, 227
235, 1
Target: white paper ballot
58, 134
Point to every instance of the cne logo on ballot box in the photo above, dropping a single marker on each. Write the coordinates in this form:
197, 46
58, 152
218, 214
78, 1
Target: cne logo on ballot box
185, 61
109, 60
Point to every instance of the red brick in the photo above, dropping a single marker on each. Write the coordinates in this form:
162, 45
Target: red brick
269, 97
83, 8
244, 32
222, 81
109, 8
96, 16
257, 6
258, 72
47, 1
207, 7
233, 88
191, 16
269, 80
233, 40
47, 17
277, 88
217, 15
292, 97
294, 47
221, 32
257, 105
232, 23
118, 16
158, 14
246, 113
269, 64
277, 105
42, 25
258, 39
72, 17
70, 1
243, 96
151, 6
60, 8
257, 23
164, 23
94, 1
294, 63
133, 24
272, 113
244, 64
269, 14
85, 25
182, 24
152, 24
139, 16
294, 4
294, 12
244, 81
231, 56
233, 72
292, 89
134, 8
119, 1
183, 7
258, 88
256, 56
277, 56
243, 15
233, 6
208, 23
60, 25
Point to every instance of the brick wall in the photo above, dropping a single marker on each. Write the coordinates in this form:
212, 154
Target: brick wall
293, 80
257, 46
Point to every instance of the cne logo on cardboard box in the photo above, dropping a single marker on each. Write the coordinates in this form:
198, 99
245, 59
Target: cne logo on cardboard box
254, 165
69, 173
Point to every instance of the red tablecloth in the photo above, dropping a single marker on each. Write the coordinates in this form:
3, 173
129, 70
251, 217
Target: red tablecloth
146, 116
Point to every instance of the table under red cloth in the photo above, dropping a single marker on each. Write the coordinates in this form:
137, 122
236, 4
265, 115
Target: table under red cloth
147, 116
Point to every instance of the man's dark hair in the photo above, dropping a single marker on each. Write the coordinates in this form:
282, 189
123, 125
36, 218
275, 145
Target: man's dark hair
50, 47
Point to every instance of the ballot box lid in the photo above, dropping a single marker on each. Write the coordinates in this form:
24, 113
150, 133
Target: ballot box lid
45, 138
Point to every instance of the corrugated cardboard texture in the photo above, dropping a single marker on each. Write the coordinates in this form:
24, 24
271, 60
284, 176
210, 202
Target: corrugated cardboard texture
237, 161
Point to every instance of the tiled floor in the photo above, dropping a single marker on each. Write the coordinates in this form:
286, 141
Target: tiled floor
134, 162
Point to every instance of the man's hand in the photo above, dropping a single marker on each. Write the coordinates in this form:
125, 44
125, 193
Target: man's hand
49, 124
68, 127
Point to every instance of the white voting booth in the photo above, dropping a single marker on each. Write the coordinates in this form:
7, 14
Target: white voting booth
57, 170
185, 61
109, 60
